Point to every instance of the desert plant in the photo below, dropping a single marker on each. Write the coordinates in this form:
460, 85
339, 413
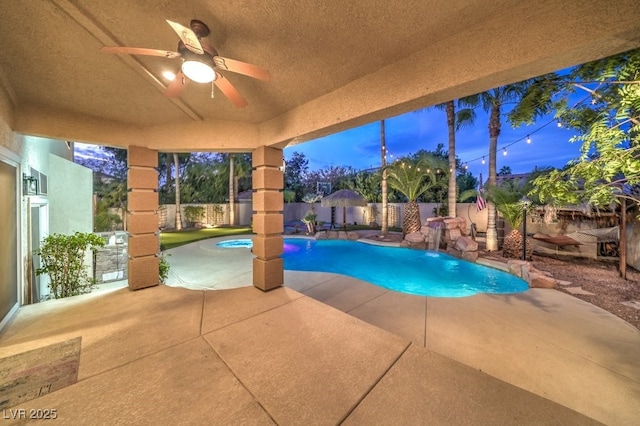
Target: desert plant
63, 258
414, 177
506, 198
310, 216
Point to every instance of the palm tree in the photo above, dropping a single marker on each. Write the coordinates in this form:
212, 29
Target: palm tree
176, 162
414, 177
455, 121
507, 200
383, 184
492, 102
232, 191
239, 167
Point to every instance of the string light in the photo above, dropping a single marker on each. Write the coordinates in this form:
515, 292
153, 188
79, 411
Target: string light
558, 122
466, 166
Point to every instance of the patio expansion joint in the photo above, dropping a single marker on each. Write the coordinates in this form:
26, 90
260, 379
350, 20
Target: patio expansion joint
237, 376
243, 384
373, 386
204, 300
116, 367
368, 301
202, 332
426, 314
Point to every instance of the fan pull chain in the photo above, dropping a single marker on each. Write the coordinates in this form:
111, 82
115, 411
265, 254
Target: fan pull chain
212, 89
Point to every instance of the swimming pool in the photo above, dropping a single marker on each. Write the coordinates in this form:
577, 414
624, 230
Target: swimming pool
418, 272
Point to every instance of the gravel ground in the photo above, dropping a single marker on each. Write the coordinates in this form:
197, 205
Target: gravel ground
598, 277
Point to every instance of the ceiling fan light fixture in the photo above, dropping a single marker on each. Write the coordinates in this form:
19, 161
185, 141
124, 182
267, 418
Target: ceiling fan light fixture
199, 68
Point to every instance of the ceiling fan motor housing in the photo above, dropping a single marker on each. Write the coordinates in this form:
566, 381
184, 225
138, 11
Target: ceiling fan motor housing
199, 28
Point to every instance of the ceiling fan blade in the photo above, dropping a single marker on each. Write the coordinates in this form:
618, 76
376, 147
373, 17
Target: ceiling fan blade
242, 68
175, 88
140, 51
229, 91
188, 37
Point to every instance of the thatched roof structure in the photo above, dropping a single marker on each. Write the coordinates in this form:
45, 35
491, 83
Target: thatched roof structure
344, 198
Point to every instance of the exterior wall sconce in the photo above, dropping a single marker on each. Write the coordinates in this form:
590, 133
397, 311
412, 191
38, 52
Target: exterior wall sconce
30, 184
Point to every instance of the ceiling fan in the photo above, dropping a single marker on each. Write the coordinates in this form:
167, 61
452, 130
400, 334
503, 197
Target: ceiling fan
200, 62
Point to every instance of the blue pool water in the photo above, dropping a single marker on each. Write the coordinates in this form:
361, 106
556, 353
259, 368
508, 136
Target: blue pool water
242, 242
419, 272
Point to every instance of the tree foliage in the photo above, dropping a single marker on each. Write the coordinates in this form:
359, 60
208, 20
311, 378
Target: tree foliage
414, 176
607, 119
295, 172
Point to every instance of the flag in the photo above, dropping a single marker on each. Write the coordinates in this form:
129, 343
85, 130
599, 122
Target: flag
480, 201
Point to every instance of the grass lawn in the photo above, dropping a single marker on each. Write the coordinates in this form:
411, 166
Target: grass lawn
172, 239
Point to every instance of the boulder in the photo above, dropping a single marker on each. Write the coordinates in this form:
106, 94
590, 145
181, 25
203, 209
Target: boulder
418, 246
466, 244
405, 244
470, 256
332, 235
451, 223
425, 230
414, 237
352, 235
541, 281
516, 267
321, 236
452, 234
342, 235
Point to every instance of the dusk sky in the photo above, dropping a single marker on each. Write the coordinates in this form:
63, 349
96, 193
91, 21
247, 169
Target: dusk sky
410, 132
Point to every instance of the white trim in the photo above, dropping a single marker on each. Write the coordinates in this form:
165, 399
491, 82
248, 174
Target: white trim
10, 156
13, 160
12, 312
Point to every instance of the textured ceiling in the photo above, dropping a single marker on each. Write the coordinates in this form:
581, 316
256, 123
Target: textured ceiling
50, 55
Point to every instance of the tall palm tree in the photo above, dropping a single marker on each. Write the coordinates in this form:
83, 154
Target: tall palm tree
414, 177
232, 190
492, 101
176, 163
239, 167
383, 184
465, 115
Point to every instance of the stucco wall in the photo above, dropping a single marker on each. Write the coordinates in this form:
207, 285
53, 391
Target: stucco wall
467, 211
69, 197
70, 210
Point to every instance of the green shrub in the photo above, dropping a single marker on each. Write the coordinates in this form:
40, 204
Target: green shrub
62, 257
193, 214
164, 268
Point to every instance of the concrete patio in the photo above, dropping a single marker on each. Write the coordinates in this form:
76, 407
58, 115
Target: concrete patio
329, 349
